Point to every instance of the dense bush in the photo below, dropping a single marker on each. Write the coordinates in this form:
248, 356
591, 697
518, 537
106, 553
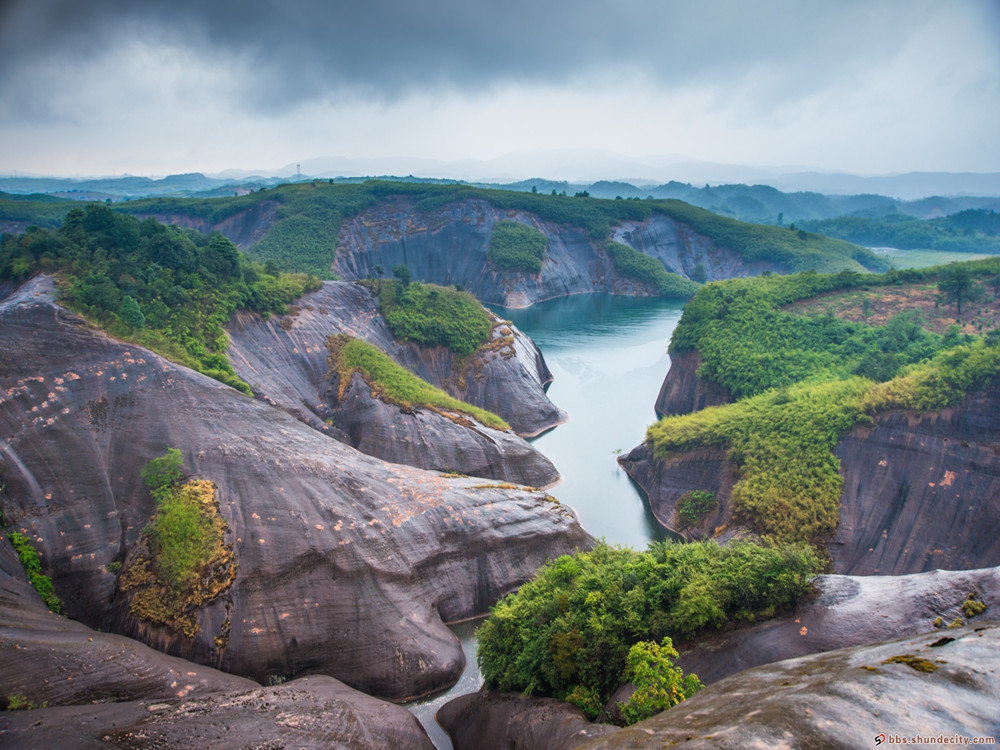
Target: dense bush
391, 382
161, 287
32, 565
433, 315
631, 263
516, 247
692, 507
568, 632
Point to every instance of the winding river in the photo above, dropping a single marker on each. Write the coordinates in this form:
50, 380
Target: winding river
608, 356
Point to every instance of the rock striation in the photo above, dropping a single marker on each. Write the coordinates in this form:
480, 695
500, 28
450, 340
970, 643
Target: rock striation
347, 565
920, 491
285, 360
449, 246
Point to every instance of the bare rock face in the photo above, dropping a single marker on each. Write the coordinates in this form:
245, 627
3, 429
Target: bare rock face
431, 440
681, 249
449, 246
921, 491
347, 565
312, 712
683, 391
848, 611
490, 720
50, 659
284, 359
931, 685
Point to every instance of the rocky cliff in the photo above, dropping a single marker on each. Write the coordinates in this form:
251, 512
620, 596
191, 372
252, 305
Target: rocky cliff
285, 360
921, 491
683, 391
449, 246
347, 565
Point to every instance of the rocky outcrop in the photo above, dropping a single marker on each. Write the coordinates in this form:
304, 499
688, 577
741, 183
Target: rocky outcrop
666, 480
449, 246
921, 491
448, 442
929, 685
347, 565
243, 228
847, 611
683, 391
489, 720
681, 250
313, 712
285, 360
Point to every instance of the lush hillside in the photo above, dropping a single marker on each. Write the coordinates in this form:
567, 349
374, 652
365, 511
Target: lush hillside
972, 230
801, 381
169, 290
308, 218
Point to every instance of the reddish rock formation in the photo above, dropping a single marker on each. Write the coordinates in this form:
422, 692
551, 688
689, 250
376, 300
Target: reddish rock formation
348, 565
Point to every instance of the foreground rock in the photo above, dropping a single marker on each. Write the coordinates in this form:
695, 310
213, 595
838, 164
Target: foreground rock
347, 565
284, 359
847, 611
930, 685
921, 491
313, 712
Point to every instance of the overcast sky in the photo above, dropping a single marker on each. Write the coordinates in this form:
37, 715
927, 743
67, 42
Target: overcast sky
159, 87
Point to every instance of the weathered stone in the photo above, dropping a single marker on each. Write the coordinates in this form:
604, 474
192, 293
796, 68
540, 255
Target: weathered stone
348, 565
313, 712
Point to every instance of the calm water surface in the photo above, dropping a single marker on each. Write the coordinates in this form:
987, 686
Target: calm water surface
608, 356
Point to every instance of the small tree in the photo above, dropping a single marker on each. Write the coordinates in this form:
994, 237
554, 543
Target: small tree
958, 286
659, 684
403, 274
131, 313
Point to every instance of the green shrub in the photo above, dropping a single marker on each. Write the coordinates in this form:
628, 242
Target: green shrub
516, 247
659, 684
693, 506
568, 632
434, 316
32, 565
393, 383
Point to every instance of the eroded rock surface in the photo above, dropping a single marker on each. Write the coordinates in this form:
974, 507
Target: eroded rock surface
929, 685
920, 492
449, 246
347, 565
284, 359
313, 712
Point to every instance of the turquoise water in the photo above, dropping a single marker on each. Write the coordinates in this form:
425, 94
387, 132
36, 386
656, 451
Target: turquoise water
608, 356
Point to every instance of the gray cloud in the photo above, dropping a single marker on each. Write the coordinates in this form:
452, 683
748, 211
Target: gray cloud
300, 50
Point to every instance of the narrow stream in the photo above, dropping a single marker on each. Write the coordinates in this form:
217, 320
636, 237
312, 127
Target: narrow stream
608, 356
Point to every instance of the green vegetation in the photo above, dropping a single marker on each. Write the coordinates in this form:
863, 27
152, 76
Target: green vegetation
21, 702
516, 247
801, 383
158, 286
433, 315
692, 507
659, 684
631, 263
392, 383
32, 565
568, 632
973, 606
309, 216
188, 562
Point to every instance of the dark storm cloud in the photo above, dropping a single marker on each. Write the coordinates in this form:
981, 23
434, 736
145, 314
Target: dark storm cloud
295, 51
